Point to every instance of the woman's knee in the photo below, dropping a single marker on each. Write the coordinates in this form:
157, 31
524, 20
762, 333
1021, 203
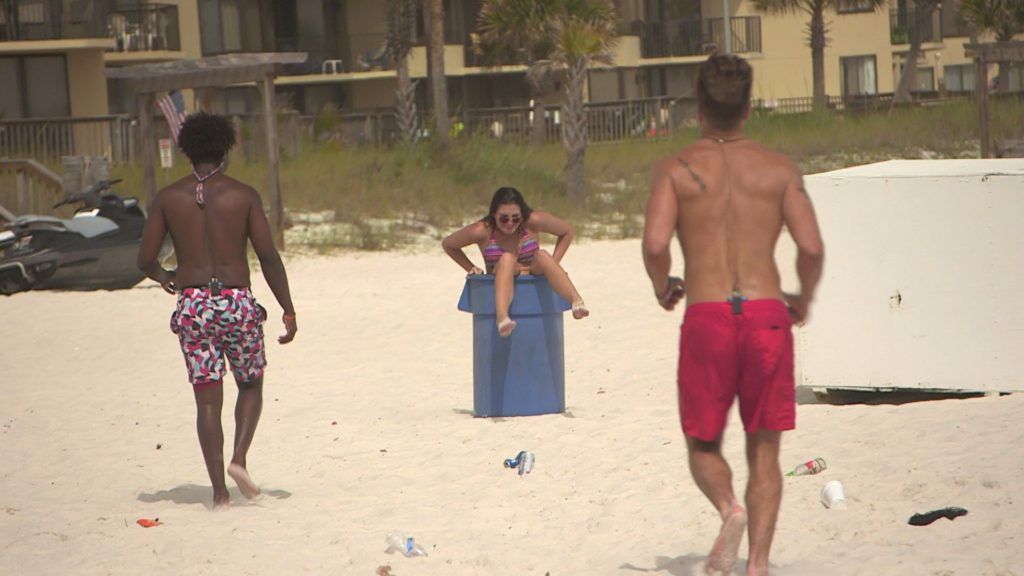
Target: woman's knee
506, 261
544, 261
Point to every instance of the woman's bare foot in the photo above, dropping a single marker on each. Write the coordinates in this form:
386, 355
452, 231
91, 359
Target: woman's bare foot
505, 327
248, 488
722, 558
579, 310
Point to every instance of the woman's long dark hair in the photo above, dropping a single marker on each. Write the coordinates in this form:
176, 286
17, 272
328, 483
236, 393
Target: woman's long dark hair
507, 195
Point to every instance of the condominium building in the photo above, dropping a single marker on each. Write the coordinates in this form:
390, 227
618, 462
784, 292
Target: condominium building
53, 52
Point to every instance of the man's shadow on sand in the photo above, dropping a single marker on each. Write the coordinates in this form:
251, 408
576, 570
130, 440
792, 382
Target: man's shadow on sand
195, 494
689, 565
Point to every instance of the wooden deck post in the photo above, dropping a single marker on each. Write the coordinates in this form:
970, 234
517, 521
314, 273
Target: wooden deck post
146, 101
23, 204
273, 161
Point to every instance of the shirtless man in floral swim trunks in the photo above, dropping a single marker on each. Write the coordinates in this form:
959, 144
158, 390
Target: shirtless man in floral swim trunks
211, 217
727, 198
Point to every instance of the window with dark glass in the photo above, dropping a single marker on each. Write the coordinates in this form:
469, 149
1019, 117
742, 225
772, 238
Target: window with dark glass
230, 26
958, 78
925, 80
859, 75
10, 96
34, 87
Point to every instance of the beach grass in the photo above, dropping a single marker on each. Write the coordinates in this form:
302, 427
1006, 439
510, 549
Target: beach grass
384, 196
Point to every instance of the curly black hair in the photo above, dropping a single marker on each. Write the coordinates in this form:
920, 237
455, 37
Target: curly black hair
206, 138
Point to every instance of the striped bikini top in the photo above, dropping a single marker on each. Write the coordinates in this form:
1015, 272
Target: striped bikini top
528, 247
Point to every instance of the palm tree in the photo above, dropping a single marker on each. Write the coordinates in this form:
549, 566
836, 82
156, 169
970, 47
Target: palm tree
553, 37
919, 18
400, 41
817, 33
514, 33
1003, 18
433, 13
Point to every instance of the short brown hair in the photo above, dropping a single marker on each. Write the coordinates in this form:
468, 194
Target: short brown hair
723, 89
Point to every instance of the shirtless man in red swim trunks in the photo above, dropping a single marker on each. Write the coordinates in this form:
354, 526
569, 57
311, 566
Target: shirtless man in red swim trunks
211, 217
728, 197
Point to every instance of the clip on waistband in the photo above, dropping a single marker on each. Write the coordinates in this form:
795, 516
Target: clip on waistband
737, 300
215, 285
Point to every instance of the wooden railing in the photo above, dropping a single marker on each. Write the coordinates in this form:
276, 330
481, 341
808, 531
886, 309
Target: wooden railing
48, 139
27, 187
116, 137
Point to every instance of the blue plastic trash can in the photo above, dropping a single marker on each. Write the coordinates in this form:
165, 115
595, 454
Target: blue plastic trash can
524, 374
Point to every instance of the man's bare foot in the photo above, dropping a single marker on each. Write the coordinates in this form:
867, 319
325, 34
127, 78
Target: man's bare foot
221, 501
248, 488
505, 327
751, 571
579, 310
722, 558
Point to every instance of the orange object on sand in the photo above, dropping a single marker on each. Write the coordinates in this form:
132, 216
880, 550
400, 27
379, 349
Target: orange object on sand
147, 523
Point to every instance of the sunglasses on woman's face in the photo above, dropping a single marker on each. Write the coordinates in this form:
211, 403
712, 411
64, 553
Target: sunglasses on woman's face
505, 219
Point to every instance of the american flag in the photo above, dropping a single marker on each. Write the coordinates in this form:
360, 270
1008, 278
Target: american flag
173, 107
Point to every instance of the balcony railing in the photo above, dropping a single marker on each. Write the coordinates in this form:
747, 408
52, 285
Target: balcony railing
900, 22
350, 53
745, 33
53, 19
144, 28
693, 37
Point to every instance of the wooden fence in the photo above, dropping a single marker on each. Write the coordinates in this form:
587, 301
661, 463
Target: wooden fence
48, 139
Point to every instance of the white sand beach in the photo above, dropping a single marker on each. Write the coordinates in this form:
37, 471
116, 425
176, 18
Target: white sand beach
367, 428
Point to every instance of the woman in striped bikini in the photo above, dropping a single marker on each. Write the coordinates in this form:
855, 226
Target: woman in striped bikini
507, 238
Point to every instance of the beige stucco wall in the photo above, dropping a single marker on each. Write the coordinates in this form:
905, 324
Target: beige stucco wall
86, 83
189, 39
604, 85
418, 62
785, 69
371, 94
188, 27
859, 35
627, 51
87, 89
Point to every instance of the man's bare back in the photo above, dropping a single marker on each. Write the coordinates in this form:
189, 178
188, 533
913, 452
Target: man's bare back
730, 213
728, 199
214, 244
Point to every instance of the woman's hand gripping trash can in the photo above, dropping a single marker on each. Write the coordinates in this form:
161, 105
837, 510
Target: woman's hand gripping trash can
524, 374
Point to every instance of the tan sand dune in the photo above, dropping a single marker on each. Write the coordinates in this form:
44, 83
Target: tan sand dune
366, 429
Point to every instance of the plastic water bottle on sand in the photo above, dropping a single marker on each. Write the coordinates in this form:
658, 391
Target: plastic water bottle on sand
522, 463
406, 546
808, 468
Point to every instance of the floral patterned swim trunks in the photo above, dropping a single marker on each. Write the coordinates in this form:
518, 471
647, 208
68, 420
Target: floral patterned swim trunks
210, 327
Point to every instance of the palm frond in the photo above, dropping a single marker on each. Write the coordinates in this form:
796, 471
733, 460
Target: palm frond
401, 29
780, 6
1004, 18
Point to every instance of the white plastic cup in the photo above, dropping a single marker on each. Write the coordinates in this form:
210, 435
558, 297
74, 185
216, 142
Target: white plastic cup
833, 496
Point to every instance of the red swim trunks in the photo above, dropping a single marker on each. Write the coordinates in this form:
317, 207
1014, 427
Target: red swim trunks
723, 355
210, 327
